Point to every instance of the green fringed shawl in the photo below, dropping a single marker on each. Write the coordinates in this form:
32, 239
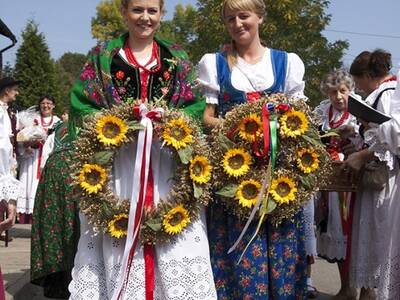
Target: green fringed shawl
94, 88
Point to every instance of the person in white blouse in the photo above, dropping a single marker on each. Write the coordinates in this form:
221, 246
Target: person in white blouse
10, 188
31, 154
334, 209
246, 70
375, 242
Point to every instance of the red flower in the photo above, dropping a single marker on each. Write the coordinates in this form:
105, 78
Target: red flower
166, 75
282, 108
253, 96
120, 75
35, 122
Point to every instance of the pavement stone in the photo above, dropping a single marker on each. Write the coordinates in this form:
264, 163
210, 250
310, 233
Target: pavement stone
15, 266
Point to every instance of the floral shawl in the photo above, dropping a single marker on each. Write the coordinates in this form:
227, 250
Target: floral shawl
94, 89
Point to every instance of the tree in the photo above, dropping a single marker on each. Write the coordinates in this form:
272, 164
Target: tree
68, 68
292, 25
34, 67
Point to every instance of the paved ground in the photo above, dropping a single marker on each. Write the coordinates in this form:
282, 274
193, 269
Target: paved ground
15, 260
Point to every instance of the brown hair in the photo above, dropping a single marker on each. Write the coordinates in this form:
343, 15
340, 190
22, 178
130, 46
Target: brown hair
125, 4
255, 6
376, 64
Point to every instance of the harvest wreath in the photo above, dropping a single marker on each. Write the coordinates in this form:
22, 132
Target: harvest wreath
100, 139
272, 140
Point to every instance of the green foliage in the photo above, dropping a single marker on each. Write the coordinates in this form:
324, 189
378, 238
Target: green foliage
68, 68
292, 25
34, 67
108, 22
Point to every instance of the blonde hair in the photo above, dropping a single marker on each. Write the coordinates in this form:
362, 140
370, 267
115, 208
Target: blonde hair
125, 4
255, 6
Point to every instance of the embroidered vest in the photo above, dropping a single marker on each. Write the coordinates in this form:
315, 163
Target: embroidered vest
229, 96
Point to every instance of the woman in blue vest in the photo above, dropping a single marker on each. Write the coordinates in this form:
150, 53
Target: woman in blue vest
274, 266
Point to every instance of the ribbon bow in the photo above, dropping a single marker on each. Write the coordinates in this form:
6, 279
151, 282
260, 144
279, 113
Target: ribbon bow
139, 191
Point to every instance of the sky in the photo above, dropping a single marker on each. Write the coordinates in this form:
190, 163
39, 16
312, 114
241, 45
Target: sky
365, 24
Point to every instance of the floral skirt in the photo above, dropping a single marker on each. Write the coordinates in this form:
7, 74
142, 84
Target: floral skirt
273, 267
55, 229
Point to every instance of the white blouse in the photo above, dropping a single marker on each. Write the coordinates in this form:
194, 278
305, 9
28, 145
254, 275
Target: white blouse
248, 77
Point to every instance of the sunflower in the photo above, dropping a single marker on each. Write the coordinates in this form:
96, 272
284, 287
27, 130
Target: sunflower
177, 133
236, 162
250, 128
293, 123
176, 220
118, 226
247, 193
283, 190
111, 130
92, 178
307, 160
200, 169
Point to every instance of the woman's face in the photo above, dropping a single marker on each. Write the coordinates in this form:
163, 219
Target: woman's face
46, 107
242, 25
339, 96
142, 17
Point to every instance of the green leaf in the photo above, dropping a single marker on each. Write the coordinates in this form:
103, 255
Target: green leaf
185, 154
198, 190
311, 140
135, 125
308, 181
154, 224
226, 143
228, 190
103, 157
329, 134
107, 211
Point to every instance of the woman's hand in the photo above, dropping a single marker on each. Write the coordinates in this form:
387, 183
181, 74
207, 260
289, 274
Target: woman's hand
356, 161
209, 118
11, 208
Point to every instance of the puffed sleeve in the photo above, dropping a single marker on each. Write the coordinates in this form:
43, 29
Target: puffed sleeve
294, 85
208, 79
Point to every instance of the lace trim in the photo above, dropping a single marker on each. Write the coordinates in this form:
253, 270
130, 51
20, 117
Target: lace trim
389, 287
10, 188
379, 149
189, 278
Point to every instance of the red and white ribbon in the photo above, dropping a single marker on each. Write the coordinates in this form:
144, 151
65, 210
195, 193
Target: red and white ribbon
137, 201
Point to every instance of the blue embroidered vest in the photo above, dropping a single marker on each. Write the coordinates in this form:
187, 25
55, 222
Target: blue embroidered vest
229, 96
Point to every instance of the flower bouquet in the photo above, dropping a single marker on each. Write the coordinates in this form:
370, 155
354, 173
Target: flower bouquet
100, 140
268, 158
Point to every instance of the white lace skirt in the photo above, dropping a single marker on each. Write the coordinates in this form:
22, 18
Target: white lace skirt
332, 243
182, 269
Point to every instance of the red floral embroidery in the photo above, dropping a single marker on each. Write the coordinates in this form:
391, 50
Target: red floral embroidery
166, 75
120, 75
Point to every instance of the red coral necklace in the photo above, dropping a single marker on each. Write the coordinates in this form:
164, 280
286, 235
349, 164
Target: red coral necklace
338, 123
154, 56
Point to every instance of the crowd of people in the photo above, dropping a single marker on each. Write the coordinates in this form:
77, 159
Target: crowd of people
353, 228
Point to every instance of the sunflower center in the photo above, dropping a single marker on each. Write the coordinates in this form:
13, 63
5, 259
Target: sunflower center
111, 130
250, 191
92, 177
307, 159
198, 168
283, 189
293, 122
178, 133
236, 161
121, 224
176, 219
251, 127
